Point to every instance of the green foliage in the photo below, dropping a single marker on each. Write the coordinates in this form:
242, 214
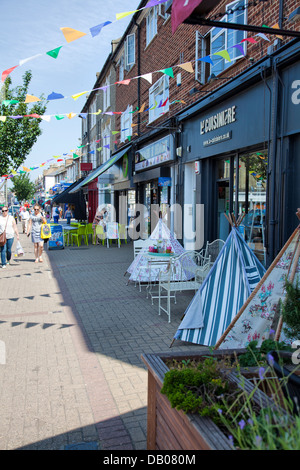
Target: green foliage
256, 356
190, 389
17, 136
291, 310
23, 188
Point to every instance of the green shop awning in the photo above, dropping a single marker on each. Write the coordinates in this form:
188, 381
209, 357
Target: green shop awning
101, 169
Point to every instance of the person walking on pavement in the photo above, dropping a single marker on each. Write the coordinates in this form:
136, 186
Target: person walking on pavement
25, 217
34, 227
7, 223
68, 215
55, 214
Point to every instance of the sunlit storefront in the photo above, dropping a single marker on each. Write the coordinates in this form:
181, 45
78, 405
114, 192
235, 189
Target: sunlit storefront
243, 143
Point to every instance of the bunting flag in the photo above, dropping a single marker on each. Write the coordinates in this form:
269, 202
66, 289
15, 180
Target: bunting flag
54, 96
188, 67
147, 76
95, 30
54, 53
168, 71
240, 48
71, 115
7, 72
71, 34
75, 97
223, 54
31, 99
24, 61
249, 40
119, 16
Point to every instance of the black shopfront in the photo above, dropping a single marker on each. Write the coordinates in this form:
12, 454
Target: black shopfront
245, 139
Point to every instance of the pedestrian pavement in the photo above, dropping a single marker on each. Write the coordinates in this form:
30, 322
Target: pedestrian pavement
72, 332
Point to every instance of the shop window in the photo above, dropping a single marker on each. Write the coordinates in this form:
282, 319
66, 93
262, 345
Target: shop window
252, 191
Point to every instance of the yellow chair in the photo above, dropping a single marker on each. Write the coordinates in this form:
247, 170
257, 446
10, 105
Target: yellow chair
122, 233
100, 233
80, 232
89, 231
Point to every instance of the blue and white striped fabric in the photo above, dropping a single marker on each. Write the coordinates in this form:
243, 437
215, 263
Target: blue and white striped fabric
229, 283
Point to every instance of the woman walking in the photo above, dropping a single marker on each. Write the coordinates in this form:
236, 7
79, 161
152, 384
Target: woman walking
7, 224
34, 227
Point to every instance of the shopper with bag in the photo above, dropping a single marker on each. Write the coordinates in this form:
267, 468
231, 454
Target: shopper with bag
34, 227
8, 228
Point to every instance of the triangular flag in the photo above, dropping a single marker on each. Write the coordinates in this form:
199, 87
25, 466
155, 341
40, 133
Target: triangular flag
123, 82
22, 62
206, 59
59, 116
187, 66
263, 36
142, 108
168, 71
240, 47
75, 97
8, 102
71, 115
31, 99
119, 16
148, 77
95, 30
54, 53
3, 118
54, 96
72, 34
165, 102
7, 72
99, 148
249, 40
155, 105
223, 54
115, 132
276, 26
46, 118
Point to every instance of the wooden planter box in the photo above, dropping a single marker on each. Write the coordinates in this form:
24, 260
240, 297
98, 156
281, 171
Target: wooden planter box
171, 429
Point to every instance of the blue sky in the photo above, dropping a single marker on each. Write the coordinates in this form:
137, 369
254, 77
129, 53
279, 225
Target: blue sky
33, 27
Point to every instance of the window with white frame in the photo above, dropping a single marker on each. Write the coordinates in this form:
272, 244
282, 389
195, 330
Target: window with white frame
130, 51
159, 96
202, 50
106, 94
126, 122
225, 39
121, 68
151, 25
92, 113
106, 142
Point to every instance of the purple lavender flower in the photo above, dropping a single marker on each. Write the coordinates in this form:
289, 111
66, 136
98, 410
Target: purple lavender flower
242, 424
261, 373
270, 359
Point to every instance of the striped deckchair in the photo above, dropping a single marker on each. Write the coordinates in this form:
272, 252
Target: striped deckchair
232, 278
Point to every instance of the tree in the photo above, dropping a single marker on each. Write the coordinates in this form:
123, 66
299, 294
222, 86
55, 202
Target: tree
17, 136
22, 187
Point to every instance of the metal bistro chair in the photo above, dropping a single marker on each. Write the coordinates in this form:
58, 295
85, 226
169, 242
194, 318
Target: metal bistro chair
213, 249
191, 266
80, 232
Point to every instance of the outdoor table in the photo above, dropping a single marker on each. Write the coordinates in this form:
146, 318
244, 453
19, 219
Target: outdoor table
67, 229
156, 261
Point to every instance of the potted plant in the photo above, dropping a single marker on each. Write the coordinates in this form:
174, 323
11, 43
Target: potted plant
198, 403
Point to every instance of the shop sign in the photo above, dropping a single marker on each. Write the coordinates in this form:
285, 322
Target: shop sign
197, 168
217, 139
218, 120
154, 154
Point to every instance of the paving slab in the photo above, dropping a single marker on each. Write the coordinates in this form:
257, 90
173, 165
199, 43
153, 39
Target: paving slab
73, 331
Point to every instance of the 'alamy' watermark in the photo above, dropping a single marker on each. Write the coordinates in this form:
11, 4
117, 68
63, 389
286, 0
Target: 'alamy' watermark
2, 353
296, 354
